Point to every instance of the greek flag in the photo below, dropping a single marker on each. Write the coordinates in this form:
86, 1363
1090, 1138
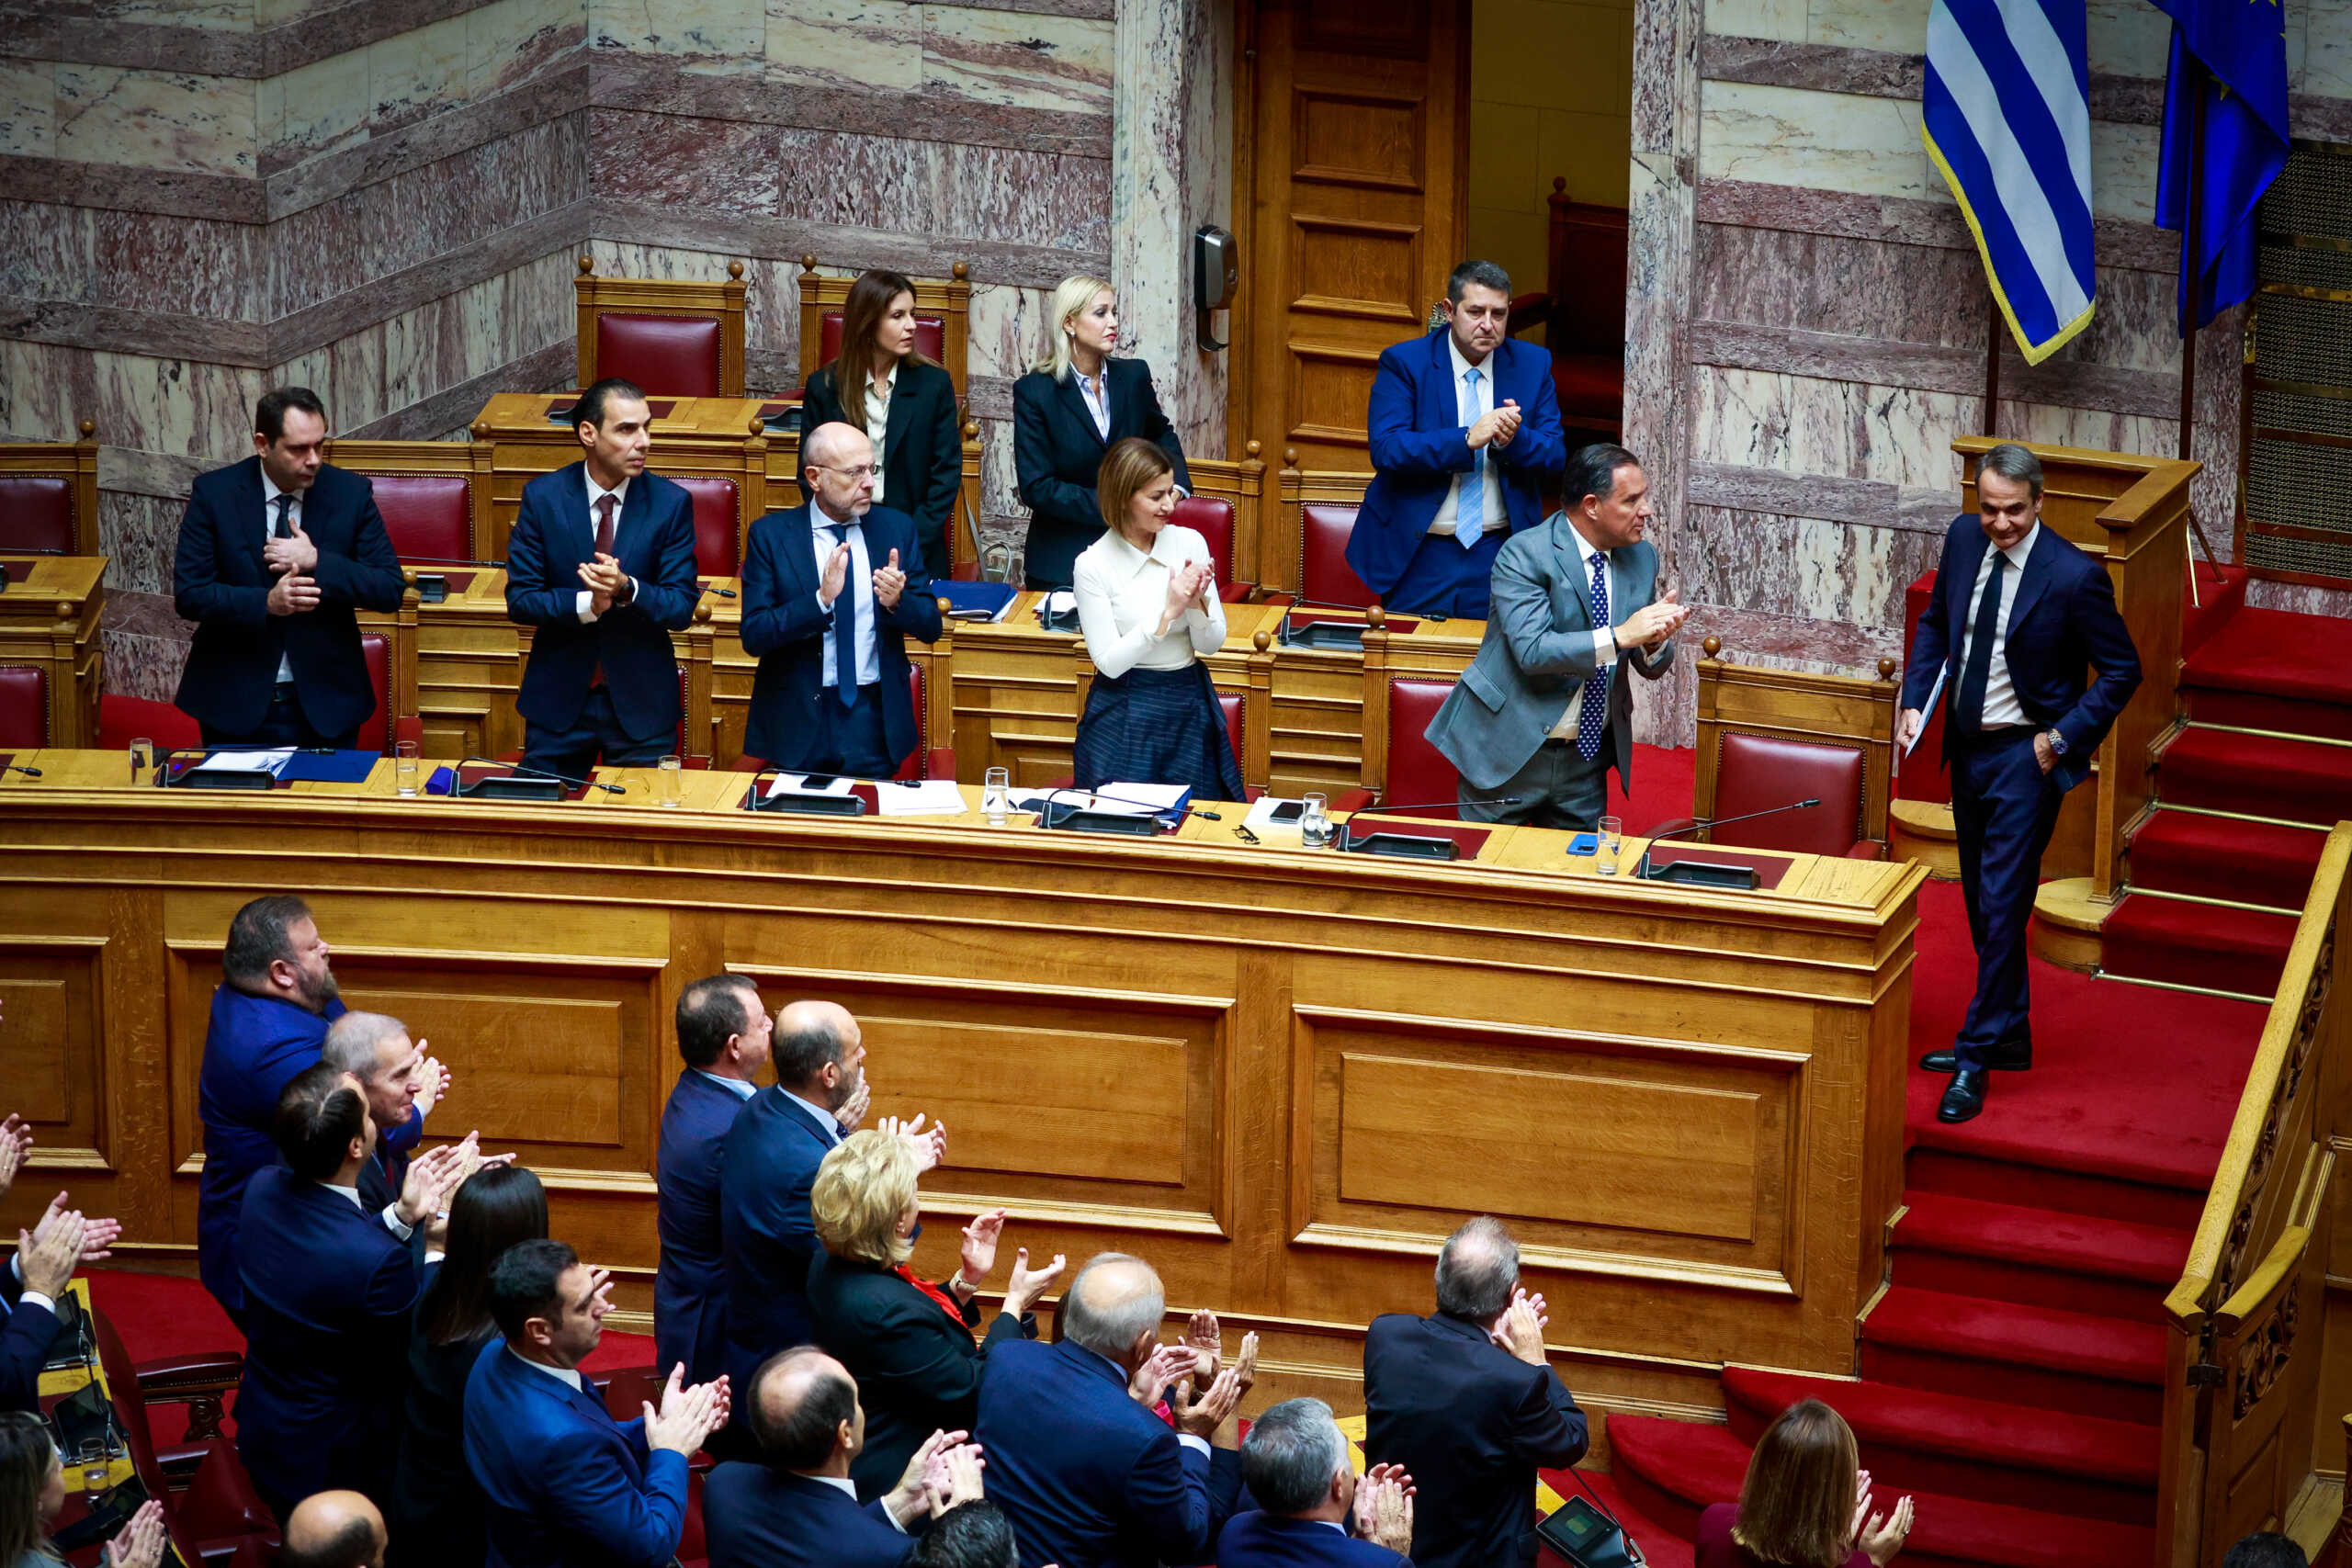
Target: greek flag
2007, 118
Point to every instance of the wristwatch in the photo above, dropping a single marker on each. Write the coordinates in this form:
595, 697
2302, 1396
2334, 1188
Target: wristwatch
2057, 741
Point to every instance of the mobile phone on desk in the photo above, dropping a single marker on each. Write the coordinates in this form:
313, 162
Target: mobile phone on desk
1585, 845
818, 781
1288, 811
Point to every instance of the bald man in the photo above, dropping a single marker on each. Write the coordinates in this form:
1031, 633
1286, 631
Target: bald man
334, 1530
767, 1165
831, 592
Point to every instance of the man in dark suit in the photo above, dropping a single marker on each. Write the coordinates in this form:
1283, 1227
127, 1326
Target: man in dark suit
1465, 430
601, 566
724, 1035
1077, 1460
329, 1286
796, 1507
270, 1015
567, 1485
1296, 1463
1467, 1404
275, 555
2017, 617
401, 1083
837, 584
30, 1288
1546, 707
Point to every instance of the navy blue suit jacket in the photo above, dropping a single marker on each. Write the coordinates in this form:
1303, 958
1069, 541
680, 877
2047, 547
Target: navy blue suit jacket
758, 1517
329, 1289
2063, 621
786, 629
1419, 444
766, 1168
1058, 452
24, 1345
566, 1485
1087, 1476
220, 582
253, 1047
654, 541
690, 1288
1260, 1540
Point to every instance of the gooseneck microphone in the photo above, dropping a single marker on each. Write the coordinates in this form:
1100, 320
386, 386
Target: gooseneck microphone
1702, 823
516, 770
1346, 830
20, 768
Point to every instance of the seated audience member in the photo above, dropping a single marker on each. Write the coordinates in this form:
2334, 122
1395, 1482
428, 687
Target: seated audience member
724, 1033
796, 1507
270, 1014
334, 1530
831, 592
1296, 1463
401, 1083
1467, 1404
908, 1342
1148, 607
1805, 1503
969, 1535
566, 1485
32, 1494
767, 1165
329, 1286
436, 1505
36, 1277
1076, 1457
274, 556
2265, 1549
882, 384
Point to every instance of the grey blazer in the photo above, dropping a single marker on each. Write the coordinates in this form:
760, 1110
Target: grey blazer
1538, 651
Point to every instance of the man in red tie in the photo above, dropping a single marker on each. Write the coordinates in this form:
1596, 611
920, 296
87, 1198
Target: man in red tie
602, 564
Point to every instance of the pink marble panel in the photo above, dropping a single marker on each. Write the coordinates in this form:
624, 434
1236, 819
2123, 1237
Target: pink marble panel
145, 666
942, 189
136, 533
49, 250
1837, 572
725, 165
180, 266
1825, 283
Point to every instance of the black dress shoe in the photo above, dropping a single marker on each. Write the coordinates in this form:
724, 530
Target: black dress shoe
2008, 1056
1963, 1097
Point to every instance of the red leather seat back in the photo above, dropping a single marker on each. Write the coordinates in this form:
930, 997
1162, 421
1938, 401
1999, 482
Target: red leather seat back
24, 706
429, 516
716, 509
1229, 703
1591, 385
671, 356
36, 512
1417, 771
124, 719
1756, 773
1324, 574
376, 734
1212, 519
918, 763
220, 1502
931, 338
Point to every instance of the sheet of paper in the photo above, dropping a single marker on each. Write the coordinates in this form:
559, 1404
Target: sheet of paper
1060, 602
797, 784
248, 762
1926, 712
927, 798
1261, 814
1006, 608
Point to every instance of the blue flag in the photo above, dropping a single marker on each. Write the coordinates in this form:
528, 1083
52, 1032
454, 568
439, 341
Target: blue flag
2241, 48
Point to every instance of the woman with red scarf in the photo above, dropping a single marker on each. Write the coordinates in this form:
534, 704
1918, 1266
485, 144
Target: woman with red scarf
914, 1347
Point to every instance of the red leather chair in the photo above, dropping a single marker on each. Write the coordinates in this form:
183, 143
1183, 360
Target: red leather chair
383, 726
429, 516
936, 762
1230, 705
718, 508
1324, 575
672, 356
1417, 771
24, 707
930, 337
220, 1512
36, 512
124, 719
1756, 773
1582, 310
1212, 518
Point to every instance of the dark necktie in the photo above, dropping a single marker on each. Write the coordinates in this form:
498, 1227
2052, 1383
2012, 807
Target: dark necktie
604, 525
1592, 718
1968, 703
846, 627
284, 527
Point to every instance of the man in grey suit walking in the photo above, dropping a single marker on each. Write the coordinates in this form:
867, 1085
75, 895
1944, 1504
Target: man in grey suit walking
1547, 706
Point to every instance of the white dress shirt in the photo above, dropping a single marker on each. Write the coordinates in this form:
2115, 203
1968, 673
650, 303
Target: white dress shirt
620, 494
1121, 594
1447, 520
569, 1375
877, 420
269, 495
2002, 709
737, 1087
1604, 641
1094, 391
832, 1123
825, 536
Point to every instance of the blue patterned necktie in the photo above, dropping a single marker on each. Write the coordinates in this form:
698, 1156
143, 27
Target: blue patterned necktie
1593, 718
1470, 509
846, 627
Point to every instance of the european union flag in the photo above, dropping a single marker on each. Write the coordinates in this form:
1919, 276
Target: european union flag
2242, 45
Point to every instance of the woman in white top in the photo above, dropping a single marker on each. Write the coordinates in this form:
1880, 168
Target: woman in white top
1148, 604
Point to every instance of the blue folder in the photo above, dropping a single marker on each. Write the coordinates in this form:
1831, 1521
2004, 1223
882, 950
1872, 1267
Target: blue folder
989, 596
331, 767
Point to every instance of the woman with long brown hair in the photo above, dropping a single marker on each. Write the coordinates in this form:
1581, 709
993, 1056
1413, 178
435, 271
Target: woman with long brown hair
882, 384
1805, 1503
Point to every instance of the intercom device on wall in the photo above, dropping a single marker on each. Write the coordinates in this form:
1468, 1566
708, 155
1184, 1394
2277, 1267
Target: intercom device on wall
1216, 275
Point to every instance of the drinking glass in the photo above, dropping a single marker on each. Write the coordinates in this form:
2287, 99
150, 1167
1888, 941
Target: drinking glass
669, 781
93, 1460
996, 795
1314, 826
404, 762
1612, 839
143, 758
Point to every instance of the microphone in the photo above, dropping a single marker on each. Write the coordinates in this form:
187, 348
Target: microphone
19, 768
448, 560
1346, 828
1643, 870
516, 770
1155, 807
31, 550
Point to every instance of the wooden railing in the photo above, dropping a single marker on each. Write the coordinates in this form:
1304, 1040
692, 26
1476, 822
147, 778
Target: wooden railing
2246, 1324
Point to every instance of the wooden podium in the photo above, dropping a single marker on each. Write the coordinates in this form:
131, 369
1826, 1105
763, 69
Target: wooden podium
49, 621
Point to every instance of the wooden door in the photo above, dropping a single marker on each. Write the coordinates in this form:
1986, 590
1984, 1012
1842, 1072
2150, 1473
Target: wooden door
1351, 174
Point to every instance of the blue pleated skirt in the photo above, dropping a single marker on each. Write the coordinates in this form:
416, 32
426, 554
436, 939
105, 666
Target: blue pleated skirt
1159, 727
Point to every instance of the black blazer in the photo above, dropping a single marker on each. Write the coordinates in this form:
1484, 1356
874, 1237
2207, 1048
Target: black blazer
1471, 1423
220, 581
917, 1373
437, 1508
1057, 453
25, 1335
923, 450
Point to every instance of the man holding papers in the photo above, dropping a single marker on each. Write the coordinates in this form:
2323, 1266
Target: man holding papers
831, 591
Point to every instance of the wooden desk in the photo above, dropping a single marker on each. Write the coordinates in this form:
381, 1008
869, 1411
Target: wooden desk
1284, 1075
1318, 696
49, 619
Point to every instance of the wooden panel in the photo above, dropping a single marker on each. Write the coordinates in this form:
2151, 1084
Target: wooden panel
49, 1048
1351, 138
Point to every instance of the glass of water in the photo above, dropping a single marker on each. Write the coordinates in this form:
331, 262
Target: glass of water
404, 763
996, 795
95, 1465
670, 781
143, 758
1613, 841
1314, 826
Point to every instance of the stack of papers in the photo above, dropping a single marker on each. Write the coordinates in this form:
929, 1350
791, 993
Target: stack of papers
247, 762
797, 784
930, 797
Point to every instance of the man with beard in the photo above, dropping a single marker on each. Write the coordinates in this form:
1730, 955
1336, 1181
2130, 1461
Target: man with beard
269, 1021
769, 1163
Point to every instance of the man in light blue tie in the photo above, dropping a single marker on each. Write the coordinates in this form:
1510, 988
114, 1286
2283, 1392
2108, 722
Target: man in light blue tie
1546, 707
